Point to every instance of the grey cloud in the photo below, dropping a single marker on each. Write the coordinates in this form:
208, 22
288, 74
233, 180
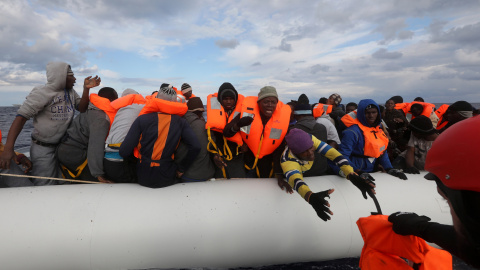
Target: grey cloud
392, 67
469, 75
227, 43
384, 54
467, 35
439, 75
284, 46
405, 35
256, 64
319, 68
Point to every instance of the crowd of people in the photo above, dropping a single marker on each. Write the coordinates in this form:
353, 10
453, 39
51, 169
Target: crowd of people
163, 139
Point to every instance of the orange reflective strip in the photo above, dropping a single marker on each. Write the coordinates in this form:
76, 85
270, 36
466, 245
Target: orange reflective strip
163, 130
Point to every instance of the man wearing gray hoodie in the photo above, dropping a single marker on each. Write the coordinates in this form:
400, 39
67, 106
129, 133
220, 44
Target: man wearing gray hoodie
52, 107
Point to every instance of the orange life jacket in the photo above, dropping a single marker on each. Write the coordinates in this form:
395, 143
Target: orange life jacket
440, 112
319, 109
263, 140
376, 141
217, 118
384, 249
104, 104
128, 100
401, 106
427, 110
154, 104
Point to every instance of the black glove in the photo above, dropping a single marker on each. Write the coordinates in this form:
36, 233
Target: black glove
411, 170
362, 182
407, 223
397, 173
318, 202
244, 121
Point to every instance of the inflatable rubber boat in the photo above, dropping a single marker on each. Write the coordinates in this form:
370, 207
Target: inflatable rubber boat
214, 224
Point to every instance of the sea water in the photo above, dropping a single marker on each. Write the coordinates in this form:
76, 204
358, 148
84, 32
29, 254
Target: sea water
7, 115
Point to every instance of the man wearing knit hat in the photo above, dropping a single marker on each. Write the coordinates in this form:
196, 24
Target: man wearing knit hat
299, 156
268, 121
202, 167
457, 112
187, 91
157, 131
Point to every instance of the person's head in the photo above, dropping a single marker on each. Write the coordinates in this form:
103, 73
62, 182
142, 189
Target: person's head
129, 91
108, 93
397, 99
368, 113
419, 99
227, 96
334, 99
166, 92
421, 127
186, 90
416, 109
458, 111
454, 173
267, 101
70, 78
323, 100
303, 99
301, 110
195, 105
389, 105
301, 144
352, 106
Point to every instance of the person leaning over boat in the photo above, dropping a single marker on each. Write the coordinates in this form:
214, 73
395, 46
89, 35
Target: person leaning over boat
81, 150
52, 107
306, 122
202, 168
451, 161
157, 133
116, 168
364, 142
228, 153
21, 166
264, 135
299, 157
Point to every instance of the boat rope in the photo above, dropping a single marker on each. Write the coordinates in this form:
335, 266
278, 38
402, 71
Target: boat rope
50, 178
377, 204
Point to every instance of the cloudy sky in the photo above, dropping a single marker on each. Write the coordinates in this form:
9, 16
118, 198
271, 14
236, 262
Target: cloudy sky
359, 49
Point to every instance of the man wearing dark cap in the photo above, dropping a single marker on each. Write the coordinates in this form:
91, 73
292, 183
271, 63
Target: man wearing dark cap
455, 113
157, 132
202, 167
423, 135
228, 152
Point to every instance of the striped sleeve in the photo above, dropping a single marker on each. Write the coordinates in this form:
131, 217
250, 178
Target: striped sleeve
293, 174
333, 155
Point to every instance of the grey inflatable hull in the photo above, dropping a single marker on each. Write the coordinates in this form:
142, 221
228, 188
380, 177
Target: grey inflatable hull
217, 224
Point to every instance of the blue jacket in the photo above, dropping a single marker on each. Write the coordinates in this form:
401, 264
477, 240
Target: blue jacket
353, 143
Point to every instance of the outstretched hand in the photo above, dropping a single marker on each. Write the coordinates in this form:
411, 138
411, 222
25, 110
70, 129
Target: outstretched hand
5, 158
364, 182
21, 159
90, 82
320, 204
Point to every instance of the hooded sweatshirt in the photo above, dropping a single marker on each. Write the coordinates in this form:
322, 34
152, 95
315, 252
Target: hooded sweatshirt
51, 106
353, 143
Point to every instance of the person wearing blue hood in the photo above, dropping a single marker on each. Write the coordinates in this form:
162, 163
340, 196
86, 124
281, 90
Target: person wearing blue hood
364, 142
